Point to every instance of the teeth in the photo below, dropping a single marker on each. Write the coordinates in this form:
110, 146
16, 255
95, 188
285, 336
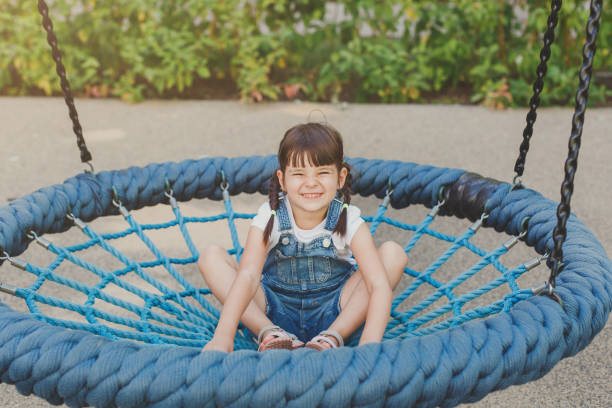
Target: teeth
311, 195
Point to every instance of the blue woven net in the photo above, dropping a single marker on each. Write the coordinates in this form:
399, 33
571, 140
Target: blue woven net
130, 299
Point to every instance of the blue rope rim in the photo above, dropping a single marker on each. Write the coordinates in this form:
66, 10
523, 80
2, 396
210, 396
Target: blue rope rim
505, 349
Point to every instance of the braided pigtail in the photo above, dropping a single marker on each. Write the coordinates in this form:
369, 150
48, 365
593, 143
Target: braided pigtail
346, 197
273, 191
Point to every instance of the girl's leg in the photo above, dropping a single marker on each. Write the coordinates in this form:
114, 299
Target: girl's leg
353, 308
219, 270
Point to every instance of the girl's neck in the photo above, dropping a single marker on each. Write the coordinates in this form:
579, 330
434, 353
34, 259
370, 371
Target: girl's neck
308, 220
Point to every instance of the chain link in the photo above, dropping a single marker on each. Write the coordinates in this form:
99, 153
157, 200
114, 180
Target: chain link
538, 85
555, 261
61, 72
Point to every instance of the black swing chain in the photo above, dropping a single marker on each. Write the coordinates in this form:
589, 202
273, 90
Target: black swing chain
538, 85
61, 72
555, 261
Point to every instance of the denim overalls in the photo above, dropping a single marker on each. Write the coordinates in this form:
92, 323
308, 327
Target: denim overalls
303, 281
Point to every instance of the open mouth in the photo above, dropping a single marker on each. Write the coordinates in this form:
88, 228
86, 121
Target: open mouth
311, 196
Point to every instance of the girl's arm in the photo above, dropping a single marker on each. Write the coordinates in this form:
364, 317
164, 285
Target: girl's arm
376, 280
241, 293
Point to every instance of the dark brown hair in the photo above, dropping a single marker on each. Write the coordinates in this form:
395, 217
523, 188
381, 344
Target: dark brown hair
321, 145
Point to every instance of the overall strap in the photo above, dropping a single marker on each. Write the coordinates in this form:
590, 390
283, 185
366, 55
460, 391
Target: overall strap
284, 223
333, 213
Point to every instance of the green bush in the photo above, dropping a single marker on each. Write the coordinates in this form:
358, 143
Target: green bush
365, 51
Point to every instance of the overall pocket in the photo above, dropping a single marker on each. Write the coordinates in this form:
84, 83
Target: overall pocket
285, 268
321, 266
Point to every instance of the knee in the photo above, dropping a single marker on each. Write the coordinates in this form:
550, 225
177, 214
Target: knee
395, 260
392, 250
210, 255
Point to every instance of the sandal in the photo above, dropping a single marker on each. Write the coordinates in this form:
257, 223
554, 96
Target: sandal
322, 341
277, 339
295, 342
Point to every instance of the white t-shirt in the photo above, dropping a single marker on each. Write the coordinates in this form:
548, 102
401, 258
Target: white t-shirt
342, 244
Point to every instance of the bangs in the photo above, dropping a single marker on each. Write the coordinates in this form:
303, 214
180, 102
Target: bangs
309, 155
312, 144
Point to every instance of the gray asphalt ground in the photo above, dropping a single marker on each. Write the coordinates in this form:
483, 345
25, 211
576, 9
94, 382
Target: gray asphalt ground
39, 150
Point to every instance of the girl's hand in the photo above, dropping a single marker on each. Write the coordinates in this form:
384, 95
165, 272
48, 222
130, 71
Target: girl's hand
218, 344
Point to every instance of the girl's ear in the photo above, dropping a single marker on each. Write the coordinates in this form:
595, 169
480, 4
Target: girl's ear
281, 180
342, 177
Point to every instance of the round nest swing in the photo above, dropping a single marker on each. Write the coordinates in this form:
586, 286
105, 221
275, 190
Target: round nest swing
154, 359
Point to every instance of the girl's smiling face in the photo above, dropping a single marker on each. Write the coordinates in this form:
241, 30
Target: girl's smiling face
311, 188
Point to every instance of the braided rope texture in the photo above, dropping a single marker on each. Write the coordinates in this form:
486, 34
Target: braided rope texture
461, 364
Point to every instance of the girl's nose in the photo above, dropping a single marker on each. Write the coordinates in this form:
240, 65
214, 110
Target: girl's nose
311, 181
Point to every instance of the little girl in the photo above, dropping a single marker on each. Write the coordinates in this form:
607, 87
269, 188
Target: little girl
297, 283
